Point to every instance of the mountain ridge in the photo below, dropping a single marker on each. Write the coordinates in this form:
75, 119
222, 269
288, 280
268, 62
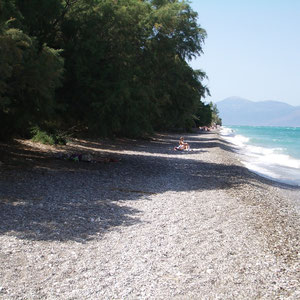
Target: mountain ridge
240, 111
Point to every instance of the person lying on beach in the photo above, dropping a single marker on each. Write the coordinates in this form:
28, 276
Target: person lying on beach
182, 145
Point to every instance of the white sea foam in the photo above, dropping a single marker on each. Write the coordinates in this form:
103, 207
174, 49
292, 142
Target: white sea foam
269, 162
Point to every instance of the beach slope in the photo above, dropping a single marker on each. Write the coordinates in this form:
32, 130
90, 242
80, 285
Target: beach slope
144, 222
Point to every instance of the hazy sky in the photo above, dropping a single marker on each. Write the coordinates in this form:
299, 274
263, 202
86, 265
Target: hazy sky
252, 48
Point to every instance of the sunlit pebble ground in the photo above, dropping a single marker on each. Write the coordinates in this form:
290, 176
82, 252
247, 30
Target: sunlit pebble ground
158, 224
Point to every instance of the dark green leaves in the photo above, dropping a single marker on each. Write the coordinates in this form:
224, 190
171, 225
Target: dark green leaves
125, 69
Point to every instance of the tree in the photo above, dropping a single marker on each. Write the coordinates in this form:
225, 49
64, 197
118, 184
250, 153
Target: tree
203, 115
125, 65
28, 80
176, 37
215, 114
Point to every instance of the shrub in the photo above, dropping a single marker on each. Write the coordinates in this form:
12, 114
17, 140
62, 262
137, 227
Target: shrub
49, 138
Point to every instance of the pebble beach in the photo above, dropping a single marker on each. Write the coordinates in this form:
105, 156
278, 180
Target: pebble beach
146, 222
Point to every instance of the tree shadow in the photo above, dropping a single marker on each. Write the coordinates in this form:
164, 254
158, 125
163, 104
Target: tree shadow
82, 201
62, 206
74, 220
160, 143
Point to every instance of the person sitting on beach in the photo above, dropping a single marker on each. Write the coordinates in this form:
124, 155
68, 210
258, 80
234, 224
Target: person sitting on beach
182, 145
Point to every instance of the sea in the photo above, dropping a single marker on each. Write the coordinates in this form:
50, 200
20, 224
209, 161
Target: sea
273, 152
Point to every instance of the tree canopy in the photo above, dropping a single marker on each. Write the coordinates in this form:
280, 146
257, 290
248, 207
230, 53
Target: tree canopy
114, 67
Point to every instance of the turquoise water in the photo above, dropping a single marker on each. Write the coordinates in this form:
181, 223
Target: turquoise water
273, 152
285, 139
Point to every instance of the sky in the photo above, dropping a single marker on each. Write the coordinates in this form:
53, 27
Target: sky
252, 49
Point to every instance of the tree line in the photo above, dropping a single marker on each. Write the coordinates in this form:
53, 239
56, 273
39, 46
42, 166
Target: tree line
112, 67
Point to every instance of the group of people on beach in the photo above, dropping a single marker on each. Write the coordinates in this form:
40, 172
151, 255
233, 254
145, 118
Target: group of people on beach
206, 128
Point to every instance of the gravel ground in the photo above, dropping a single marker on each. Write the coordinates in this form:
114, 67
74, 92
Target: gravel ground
157, 224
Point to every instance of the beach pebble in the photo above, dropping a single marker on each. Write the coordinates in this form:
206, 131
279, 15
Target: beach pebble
158, 224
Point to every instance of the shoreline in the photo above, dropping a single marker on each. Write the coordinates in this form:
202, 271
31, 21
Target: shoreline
290, 191
155, 224
268, 161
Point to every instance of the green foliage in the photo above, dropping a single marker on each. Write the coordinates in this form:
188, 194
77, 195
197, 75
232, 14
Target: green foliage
28, 80
203, 115
48, 137
41, 19
9, 12
122, 69
215, 114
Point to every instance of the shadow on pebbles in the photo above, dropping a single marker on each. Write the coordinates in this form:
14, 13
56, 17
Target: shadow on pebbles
151, 223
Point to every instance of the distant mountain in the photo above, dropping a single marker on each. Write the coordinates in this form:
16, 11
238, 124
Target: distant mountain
239, 111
